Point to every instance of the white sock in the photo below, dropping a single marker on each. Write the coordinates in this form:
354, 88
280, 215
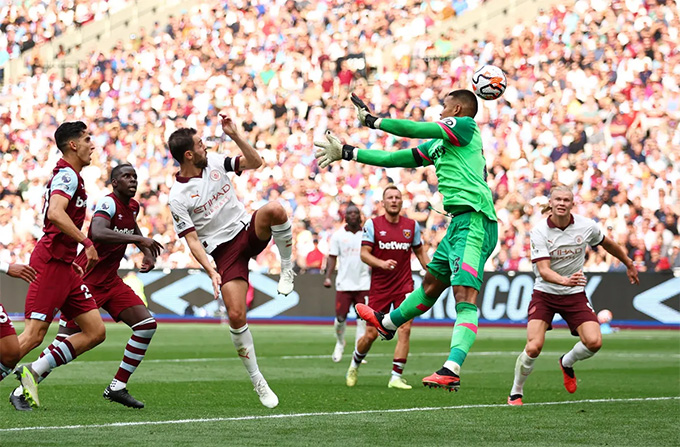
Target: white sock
361, 330
452, 366
578, 352
243, 342
523, 367
387, 322
340, 330
41, 366
283, 238
117, 385
18, 391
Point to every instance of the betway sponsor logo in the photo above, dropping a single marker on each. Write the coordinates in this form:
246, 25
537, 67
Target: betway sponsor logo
124, 230
393, 245
80, 202
217, 200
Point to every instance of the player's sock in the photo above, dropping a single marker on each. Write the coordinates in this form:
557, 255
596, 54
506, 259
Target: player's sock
398, 367
243, 341
578, 352
357, 358
340, 329
523, 367
416, 304
361, 330
464, 334
283, 238
4, 371
135, 350
60, 355
58, 339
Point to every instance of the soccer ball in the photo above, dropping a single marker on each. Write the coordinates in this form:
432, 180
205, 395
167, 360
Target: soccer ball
604, 316
489, 82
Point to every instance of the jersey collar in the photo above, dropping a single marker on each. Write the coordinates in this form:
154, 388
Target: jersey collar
551, 224
350, 231
186, 179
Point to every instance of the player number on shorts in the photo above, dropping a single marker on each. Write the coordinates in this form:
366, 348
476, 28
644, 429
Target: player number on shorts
3, 316
86, 291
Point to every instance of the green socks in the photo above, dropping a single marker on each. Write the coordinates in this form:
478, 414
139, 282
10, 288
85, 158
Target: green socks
464, 333
417, 303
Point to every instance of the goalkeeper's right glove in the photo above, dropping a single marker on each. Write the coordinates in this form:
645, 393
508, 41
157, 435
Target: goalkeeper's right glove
363, 113
333, 150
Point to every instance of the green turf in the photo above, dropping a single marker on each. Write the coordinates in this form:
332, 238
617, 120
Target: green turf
192, 372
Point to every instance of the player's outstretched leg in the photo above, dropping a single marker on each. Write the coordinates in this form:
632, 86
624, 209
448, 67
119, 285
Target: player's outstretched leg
143, 327
399, 362
417, 303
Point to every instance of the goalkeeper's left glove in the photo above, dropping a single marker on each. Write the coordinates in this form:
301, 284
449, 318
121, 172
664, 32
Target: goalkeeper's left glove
333, 150
363, 113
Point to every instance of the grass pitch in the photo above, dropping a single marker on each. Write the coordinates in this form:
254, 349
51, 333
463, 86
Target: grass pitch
197, 392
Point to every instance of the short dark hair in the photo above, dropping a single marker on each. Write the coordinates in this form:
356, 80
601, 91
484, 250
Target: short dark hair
180, 141
67, 132
390, 186
467, 99
115, 172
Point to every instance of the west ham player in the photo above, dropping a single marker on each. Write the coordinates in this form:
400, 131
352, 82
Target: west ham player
207, 213
9, 342
353, 279
455, 150
386, 247
113, 227
58, 284
558, 248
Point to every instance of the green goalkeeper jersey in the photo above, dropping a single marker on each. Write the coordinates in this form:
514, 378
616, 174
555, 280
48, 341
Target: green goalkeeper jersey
456, 153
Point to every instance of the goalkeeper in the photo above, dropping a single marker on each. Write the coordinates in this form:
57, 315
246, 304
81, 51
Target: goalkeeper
455, 150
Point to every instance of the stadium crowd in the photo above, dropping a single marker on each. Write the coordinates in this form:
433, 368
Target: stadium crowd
23, 25
593, 102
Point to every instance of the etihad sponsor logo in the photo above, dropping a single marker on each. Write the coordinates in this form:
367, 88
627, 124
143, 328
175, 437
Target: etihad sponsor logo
566, 252
218, 199
393, 245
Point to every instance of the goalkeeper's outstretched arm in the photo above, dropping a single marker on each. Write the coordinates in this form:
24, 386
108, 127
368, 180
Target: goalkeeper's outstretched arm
333, 150
411, 129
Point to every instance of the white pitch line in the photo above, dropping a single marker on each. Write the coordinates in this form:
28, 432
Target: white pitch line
379, 355
333, 413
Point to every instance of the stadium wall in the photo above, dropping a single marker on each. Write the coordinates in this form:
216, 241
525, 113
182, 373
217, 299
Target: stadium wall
504, 298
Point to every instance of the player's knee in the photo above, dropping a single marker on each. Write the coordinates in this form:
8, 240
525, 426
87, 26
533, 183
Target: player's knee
32, 338
11, 358
404, 331
97, 335
341, 318
237, 317
533, 349
278, 213
594, 344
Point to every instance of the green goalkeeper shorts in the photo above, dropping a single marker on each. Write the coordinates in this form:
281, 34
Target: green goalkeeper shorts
462, 253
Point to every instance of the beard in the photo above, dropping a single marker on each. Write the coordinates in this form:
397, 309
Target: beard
202, 164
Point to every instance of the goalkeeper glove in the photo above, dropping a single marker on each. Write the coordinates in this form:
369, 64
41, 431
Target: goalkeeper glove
363, 113
333, 150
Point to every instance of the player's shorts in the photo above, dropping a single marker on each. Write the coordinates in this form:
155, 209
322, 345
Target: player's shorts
574, 308
460, 257
57, 287
232, 257
6, 327
114, 297
384, 303
344, 299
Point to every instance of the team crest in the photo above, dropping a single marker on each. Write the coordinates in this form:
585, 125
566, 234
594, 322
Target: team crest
215, 175
579, 239
407, 234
